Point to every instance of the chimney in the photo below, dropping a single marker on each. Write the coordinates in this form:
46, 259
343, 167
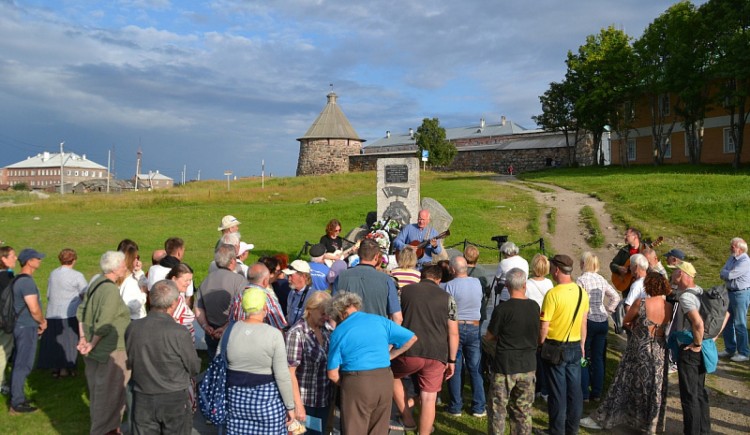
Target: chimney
45, 156
502, 120
388, 134
411, 133
481, 122
83, 157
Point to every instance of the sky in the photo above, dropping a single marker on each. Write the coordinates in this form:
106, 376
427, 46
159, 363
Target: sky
217, 85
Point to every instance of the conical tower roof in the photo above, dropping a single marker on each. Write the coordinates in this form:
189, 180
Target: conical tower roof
331, 124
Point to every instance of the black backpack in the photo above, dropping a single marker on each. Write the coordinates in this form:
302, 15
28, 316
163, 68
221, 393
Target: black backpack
8, 314
714, 305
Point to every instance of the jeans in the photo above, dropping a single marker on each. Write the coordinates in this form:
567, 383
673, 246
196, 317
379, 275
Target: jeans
565, 402
212, 345
469, 352
735, 333
25, 338
696, 418
596, 349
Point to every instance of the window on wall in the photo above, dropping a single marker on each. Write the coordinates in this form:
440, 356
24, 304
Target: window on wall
728, 141
664, 104
631, 149
668, 149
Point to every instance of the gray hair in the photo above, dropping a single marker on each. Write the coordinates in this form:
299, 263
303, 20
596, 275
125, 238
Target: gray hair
257, 273
640, 261
740, 243
515, 279
509, 249
163, 294
110, 261
231, 239
224, 255
459, 265
340, 302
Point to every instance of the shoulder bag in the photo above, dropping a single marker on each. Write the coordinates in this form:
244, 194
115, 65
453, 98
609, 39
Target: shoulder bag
552, 351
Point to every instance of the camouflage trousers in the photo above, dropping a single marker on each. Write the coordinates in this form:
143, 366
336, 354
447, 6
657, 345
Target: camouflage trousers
511, 395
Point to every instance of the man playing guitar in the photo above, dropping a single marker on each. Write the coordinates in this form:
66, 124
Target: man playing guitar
620, 265
419, 233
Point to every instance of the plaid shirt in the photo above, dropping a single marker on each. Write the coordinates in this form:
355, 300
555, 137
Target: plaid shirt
310, 357
597, 287
275, 315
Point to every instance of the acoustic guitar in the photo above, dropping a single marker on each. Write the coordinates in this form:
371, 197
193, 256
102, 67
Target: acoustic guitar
419, 246
623, 281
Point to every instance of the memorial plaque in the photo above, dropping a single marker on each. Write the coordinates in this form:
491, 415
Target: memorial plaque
398, 189
396, 174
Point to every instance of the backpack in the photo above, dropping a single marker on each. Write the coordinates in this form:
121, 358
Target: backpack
714, 305
8, 314
618, 317
212, 392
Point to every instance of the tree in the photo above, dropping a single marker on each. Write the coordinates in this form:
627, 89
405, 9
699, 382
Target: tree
558, 114
728, 21
672, 63
430, 136
601, 73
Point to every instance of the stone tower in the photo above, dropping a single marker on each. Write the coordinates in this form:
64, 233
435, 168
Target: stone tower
328, 143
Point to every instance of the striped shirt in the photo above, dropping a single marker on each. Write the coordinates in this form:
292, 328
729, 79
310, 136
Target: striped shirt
405, 277
184, 315
597, 287
305, 352
275, 316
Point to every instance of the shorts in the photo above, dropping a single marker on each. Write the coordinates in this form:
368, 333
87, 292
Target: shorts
430, 372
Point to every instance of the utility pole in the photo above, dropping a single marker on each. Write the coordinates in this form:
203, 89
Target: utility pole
199, 175
62, 168
138, 166
184, 173
109, 161
263, 174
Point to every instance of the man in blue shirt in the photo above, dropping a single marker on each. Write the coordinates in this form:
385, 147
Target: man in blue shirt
29, 324
736, 274
419, 232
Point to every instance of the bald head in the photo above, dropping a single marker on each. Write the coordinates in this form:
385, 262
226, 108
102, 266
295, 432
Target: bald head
259, 275
423, 218
459, 266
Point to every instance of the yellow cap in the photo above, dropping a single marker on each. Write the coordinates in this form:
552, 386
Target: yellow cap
253, 300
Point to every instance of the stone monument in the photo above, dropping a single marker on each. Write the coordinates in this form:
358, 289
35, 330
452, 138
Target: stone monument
440, 219
398, 189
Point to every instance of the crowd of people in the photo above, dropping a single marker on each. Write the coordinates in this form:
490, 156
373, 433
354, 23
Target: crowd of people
304, 337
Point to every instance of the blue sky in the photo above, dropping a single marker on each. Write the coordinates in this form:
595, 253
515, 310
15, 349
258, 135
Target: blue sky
221, 85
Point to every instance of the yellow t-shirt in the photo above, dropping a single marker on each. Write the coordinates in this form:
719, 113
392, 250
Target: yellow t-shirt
558, 308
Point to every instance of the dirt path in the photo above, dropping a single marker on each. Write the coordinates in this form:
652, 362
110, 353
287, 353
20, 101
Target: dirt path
729, 393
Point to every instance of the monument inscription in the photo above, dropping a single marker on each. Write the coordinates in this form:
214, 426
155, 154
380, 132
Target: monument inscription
396, 174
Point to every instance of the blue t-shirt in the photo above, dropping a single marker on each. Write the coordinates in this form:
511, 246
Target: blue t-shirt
361, 342
319, 275
25, 286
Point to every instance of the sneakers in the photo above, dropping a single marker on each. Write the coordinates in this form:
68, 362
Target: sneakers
589, 423
454, 414
5, 390
739, 358
544, 397
725, 354
479, 414
672, 368
23, 408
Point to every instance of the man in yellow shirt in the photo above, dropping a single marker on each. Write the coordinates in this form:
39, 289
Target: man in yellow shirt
563, 322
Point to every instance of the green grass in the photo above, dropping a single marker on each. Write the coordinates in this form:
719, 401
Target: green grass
705, 205
595, 238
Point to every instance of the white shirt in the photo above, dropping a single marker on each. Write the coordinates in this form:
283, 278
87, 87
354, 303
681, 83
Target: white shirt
636, 292
134, 298
536, 290
507, 264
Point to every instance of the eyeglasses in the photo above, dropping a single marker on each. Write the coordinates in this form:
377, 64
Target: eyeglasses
337, 230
